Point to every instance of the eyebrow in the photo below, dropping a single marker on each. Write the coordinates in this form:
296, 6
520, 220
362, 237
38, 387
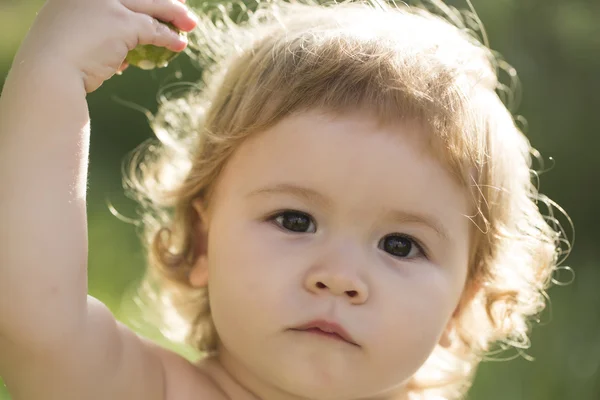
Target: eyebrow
316, 197
308, 194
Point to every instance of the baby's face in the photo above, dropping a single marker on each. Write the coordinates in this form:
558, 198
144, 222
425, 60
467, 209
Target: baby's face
336, 224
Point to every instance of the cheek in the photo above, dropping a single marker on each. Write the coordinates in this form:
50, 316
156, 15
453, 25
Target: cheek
247, 280
414, 315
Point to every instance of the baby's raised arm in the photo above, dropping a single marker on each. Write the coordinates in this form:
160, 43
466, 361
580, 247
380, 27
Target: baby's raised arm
55, 342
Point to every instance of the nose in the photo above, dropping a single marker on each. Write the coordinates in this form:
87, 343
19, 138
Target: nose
338, 280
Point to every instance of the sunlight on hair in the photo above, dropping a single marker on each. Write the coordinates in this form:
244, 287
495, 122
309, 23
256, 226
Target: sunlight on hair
427, 62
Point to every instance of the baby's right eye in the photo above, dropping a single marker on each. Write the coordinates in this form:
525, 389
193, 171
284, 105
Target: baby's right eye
294, 221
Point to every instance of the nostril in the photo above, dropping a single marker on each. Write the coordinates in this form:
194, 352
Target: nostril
352, 293
321, 285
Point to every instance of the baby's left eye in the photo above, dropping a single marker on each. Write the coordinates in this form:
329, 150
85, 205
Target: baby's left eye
401, 246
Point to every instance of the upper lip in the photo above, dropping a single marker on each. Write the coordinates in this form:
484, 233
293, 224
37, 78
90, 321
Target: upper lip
327, 326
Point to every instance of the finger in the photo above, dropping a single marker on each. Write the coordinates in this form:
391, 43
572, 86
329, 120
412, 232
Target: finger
158, 34
122, 68
172, 11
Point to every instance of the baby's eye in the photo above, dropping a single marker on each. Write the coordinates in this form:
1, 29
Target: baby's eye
401, 246
295, 221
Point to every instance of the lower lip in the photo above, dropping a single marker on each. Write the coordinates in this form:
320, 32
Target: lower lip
319, 332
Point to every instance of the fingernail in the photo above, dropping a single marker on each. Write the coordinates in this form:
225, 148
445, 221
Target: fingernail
193, 16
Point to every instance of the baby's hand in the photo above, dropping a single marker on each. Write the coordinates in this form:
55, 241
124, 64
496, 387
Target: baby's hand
95, 36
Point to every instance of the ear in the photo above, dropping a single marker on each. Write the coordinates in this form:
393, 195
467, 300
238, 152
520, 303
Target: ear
472, 288
469, 293
445, 340
199, 273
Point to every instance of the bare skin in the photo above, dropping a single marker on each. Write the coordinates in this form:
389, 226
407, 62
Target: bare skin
57, 342
336, 218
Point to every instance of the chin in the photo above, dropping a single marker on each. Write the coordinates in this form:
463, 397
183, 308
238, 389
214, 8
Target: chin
340, 391
345, 389
306, 381
327, 377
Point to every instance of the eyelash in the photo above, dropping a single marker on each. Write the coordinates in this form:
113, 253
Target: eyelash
273, 219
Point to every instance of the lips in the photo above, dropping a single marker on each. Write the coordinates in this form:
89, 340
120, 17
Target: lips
327, 328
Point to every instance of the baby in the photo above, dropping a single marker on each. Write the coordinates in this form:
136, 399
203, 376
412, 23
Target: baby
343, 210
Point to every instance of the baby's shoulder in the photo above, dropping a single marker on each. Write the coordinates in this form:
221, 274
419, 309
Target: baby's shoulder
187, 381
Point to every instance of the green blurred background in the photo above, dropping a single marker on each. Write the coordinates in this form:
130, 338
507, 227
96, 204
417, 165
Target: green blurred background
555, 47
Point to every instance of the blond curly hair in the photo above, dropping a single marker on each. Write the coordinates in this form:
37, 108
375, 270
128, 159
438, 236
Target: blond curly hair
423, 62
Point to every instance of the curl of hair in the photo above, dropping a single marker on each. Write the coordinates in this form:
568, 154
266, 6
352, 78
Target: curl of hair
422, 62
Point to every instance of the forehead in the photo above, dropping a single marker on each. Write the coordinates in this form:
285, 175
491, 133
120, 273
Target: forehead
351, 158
